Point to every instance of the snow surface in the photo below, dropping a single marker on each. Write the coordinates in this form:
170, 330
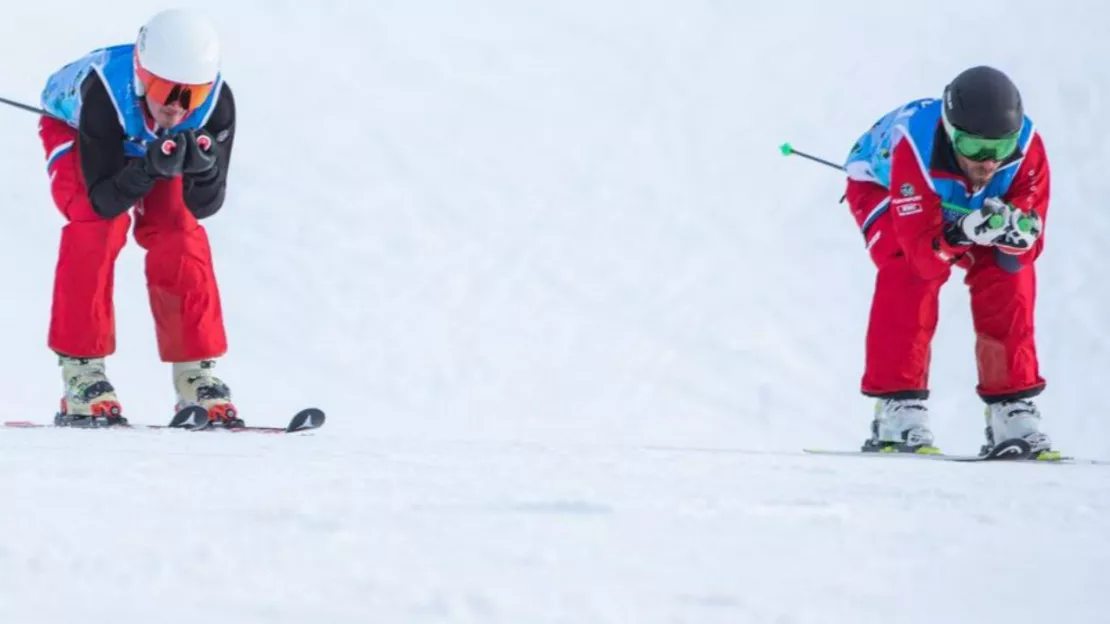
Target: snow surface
571, 316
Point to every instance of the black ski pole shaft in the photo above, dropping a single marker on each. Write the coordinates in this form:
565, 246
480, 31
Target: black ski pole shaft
788, 150
28, 108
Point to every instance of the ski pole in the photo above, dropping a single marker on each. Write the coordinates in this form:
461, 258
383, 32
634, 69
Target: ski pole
788, 150
30, 109
996, 220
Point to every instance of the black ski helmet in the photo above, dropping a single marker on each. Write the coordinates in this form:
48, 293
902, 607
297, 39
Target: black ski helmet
983, 101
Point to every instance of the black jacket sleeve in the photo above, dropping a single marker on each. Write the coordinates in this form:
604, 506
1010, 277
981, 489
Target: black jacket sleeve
114, 182
204, 193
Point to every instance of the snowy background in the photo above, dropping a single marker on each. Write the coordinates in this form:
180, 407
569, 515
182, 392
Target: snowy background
571, 315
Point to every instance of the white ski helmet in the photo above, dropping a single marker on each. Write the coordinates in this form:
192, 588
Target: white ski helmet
179, 46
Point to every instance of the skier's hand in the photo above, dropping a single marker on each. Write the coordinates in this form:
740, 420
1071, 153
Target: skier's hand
986, 226
200, 152
165, 157
1022, 231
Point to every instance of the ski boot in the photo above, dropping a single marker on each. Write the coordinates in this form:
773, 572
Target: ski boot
900, 426
1008, 420
195, 384
90, 399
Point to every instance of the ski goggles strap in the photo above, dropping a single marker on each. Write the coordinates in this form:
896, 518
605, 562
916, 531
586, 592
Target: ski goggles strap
981, 148
166, 92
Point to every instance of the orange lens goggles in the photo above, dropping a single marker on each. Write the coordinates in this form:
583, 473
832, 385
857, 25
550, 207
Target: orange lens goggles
166, 92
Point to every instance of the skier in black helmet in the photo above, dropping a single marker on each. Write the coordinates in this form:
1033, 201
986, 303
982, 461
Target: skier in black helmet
961, 181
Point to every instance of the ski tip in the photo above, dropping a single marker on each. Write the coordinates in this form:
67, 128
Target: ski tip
1016, 448
308, 418
191, 417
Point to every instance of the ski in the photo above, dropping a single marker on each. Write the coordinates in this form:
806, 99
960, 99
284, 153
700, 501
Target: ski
192, 418
305, 420
904, 455
1010, 450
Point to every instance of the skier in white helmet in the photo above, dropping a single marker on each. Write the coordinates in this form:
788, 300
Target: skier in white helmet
148, 126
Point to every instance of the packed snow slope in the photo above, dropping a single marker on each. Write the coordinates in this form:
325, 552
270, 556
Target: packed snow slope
544, 267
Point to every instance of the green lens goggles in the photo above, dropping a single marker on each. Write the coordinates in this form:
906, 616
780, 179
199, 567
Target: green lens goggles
980, 148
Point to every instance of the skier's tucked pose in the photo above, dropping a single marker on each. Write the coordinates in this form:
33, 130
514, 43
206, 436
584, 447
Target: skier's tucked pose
147, 126
958, 181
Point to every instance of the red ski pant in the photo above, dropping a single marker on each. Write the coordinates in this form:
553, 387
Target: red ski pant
904, 313
181, 283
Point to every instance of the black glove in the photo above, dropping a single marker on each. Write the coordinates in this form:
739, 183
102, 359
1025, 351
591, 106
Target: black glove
200, 152
165, 157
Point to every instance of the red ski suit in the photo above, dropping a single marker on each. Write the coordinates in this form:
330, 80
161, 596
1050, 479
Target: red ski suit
914, 260
182, 287
183, 294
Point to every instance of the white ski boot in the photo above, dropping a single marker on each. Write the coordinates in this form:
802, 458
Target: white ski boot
1009, 420
195, 384
90, 399
901, 426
